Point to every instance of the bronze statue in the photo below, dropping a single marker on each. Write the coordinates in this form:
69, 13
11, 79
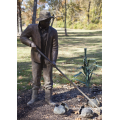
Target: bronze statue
46, 38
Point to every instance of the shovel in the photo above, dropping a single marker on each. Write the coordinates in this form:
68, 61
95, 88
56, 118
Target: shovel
99, 110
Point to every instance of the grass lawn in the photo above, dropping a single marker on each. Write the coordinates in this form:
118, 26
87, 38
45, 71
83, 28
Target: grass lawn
70, 57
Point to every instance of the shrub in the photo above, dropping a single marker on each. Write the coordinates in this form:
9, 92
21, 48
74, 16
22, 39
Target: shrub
93, 20
96, 21
91, 26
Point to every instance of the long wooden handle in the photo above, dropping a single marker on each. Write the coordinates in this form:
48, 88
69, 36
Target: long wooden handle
68, 79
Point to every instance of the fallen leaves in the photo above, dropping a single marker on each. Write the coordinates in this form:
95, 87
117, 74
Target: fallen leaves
80, 96
77, 112
69, 84
29, 83
54, 93
78, 118
76, 82
20, 77
58, 86
60, 74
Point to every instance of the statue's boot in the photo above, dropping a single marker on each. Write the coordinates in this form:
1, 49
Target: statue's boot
48, 97
34, 97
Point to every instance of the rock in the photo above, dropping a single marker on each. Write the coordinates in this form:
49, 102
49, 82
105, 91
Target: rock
95, 100
86, 112
60, 109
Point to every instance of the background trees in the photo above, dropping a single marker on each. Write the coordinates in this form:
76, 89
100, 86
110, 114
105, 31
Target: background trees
80, 14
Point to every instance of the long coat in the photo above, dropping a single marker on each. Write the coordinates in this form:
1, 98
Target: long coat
51, 50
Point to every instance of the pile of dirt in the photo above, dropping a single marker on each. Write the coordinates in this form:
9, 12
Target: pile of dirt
40, 110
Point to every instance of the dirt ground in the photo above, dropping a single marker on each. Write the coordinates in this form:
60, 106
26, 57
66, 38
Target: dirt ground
40, 110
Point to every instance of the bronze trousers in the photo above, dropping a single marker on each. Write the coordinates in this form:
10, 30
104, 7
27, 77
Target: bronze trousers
37, 69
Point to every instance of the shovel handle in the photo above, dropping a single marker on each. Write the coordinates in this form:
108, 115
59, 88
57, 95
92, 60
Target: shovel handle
43, 55
67, 78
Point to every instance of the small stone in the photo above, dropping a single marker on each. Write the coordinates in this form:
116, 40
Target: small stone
94, 101
87, 112
60, 109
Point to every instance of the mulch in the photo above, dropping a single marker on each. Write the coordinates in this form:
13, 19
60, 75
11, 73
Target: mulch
40, 110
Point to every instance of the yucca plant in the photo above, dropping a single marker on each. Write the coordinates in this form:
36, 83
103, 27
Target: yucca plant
87, 69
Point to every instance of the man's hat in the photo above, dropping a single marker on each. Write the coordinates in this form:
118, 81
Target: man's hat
44, 14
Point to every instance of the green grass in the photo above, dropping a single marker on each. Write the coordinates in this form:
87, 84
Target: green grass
70, 57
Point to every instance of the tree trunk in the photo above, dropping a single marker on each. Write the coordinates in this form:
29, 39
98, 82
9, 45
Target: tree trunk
34, 12
17, 24
19, 19
88, 11
65, 20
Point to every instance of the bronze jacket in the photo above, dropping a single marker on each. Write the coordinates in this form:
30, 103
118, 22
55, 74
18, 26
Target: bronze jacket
51, 45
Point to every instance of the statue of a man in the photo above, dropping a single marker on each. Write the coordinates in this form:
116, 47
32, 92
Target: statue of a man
46, 38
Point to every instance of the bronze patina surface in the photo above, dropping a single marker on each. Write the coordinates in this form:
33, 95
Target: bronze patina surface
46, 38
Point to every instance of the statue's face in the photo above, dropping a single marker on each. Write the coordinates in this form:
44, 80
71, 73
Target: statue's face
45, 23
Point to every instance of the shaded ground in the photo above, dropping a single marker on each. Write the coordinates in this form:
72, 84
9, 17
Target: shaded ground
41, 111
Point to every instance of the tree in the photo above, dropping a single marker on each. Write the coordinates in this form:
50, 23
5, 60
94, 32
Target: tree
19, 18
34, 12
59, 9
88, 10
31, 10
65, 20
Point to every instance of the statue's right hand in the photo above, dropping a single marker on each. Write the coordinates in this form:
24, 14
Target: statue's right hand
33, 45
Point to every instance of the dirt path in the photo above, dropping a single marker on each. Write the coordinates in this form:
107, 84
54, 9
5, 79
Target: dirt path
41, 111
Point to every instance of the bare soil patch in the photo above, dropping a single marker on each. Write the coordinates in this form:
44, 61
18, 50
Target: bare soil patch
40, 110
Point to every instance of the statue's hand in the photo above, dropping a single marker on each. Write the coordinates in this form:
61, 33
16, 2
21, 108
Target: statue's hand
33, 45
53, 64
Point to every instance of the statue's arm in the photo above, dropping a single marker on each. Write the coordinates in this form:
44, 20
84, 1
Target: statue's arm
55, 47
26, 34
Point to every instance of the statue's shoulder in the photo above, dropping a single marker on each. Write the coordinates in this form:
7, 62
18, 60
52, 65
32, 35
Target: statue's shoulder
33, 25
53, 29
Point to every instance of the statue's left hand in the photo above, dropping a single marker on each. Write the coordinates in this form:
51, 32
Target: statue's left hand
53, 64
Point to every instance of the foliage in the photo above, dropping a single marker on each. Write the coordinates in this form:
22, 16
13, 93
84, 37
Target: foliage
27, 10
77, 14
81, 14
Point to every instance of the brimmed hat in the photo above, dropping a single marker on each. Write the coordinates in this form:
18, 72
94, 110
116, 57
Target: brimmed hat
44, 14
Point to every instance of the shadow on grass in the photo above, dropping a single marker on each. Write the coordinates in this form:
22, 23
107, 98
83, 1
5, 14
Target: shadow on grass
24, 70
76, 60
65, 42
70, 34
77, 34
20, 44
24, 75
67, 64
